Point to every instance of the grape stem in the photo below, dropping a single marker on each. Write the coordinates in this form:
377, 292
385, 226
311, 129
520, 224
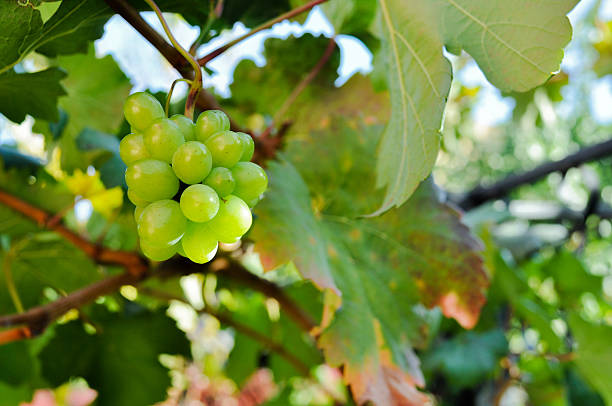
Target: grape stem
167, 107
290, 14
196, 84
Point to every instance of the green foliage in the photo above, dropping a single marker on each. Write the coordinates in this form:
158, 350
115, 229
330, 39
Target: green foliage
31, 93
391, 294
412, 39
104, 358
593, 354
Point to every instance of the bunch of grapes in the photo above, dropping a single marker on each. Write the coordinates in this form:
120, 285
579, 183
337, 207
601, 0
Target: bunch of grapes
192, 183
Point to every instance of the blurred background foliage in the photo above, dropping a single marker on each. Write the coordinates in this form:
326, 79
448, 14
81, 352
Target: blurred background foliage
544, 336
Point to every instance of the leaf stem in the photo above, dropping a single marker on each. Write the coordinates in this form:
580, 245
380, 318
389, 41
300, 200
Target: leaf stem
196, 85
290, 14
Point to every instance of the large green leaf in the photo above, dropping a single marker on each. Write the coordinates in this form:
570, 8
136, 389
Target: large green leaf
517, 45
31, 93
594, 354
381, 268
120, 361
72, 26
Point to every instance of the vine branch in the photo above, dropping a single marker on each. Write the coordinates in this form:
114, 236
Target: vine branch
482, 194
290, 14
137, 270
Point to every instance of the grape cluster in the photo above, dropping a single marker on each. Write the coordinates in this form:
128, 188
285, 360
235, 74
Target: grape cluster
206, 162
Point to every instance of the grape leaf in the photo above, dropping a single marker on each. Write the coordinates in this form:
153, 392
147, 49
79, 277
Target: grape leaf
516, 44
120, 361
70, 29
593, 354
95, 104
382, 268
31, 93
43, 260
287, 62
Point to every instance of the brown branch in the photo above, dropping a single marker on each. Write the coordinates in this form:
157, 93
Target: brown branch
483, 194
205, 100
233, 270
290, 14
131, 261
137, 269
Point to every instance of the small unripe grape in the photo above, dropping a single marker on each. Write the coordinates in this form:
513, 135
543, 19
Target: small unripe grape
199, 203
162, 139
157, 252
132, 148
162, 223
232, 221
210, 122
135, 199
222, 180
186, 125
251, 180
248, 146
141, 109
225, 148
199, 243
192, 162
151, 180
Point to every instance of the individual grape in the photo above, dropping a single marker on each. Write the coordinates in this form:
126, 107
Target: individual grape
186, 125
141, 109
163, 138
222, 180
132, 148
157, 252
199, 203
210, 122
138, 212
135, 199
179, 247
251, 180
252, 203
248, 146
162, 223
225, 148
151, 180
199, 243
232, 221
192, 162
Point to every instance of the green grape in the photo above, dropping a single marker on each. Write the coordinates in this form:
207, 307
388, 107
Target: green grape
252, 203
138, 212
163, 138
225, 148
132, 148
192, 162
162, 223
210, 122
156, 252
248, 146
179, 247
199, 243
251, 180
232, 221
199, 203
141, 109
186, 125
135, 199
222, 180
151, 180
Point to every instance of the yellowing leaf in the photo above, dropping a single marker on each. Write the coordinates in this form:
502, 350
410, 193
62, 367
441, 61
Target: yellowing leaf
91, 187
